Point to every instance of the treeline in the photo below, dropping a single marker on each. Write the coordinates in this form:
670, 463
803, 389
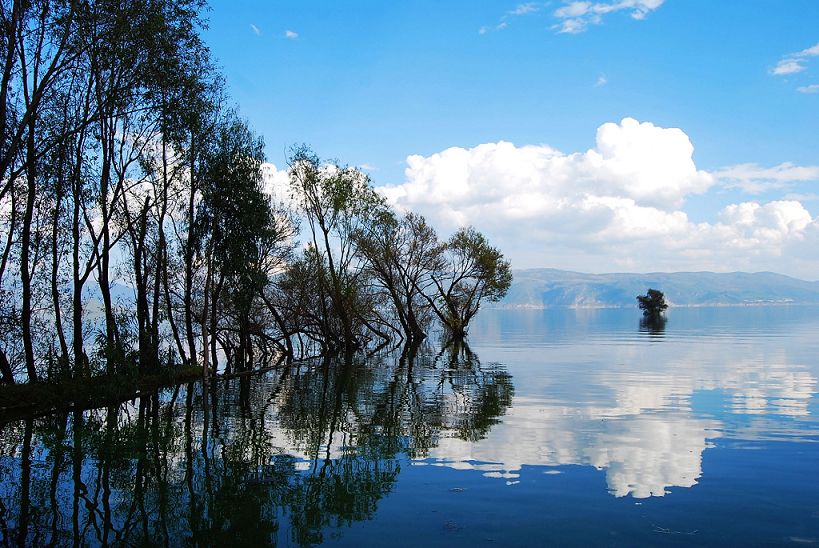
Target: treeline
123, 165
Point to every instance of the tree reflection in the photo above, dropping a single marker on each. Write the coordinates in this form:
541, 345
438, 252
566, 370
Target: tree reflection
251, 460
653, 324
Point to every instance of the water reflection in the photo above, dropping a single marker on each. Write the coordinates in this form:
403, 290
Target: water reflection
642, 412
285, 458
302, 453
642, 455
653, 325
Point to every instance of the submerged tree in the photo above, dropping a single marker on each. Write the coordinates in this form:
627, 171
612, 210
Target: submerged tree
470, 271
337, 201
652, 303
245, 240
400, 254
136, 226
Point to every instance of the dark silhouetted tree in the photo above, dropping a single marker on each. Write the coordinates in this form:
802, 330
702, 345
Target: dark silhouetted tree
652, 303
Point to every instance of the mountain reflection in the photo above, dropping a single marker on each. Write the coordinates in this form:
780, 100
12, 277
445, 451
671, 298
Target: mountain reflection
288, 457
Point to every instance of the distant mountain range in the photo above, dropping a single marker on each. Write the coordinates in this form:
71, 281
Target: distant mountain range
547, 288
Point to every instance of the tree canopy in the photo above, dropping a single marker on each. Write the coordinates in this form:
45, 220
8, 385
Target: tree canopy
652, 303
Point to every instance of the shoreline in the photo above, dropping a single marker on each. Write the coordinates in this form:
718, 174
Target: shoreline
20, 401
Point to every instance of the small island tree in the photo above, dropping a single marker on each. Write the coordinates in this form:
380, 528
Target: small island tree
653, 303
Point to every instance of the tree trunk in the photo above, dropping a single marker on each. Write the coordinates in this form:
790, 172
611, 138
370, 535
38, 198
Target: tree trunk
55, 271
105, 262
25, 266
205, 324
214, 319
5, 369
145, 342
187, 298
162, 259
77, 331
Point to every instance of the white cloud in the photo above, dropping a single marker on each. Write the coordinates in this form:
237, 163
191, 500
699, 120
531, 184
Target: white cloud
523, 9
753, 225
788, 66
615, 207
640, 161
573, 9
576, 16
812, 88
276, 183
292, 35
255, 30
795, 62
756, 179
519, 10
812, 51
601, 81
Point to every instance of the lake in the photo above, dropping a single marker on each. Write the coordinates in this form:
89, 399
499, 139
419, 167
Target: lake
554, 427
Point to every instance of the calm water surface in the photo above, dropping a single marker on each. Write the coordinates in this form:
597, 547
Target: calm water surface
554, 427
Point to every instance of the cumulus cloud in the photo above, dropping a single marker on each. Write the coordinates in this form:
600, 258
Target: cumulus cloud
617, 206
576, 16
640, 161
812, 88
601, 81
276, 183
291, 35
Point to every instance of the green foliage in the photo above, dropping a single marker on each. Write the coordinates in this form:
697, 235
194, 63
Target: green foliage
337, 203
234, 213
472, 271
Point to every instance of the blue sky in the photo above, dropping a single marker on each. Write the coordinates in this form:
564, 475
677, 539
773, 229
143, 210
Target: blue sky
373, 83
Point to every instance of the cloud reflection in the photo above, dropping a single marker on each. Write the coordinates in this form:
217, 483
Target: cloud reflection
629, 406
642, 455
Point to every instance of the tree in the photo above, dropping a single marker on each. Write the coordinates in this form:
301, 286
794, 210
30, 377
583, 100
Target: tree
246, 240
400, 253
337, 201
470, 272
653, 303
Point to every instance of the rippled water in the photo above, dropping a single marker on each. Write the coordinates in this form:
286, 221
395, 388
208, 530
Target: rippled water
554, 427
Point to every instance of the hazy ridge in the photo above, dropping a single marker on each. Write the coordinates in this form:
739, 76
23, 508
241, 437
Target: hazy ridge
547, 288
